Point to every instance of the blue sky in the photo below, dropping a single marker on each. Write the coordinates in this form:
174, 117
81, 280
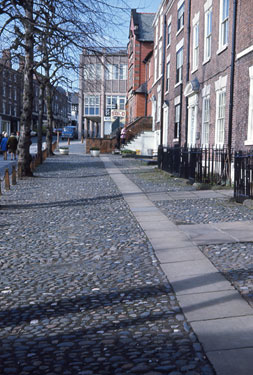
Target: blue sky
146, 6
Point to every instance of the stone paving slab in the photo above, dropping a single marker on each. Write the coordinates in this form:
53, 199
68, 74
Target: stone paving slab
170, 243
232, 362
203, 293
200, 283
159, 196
214, 305
242, 231
179, 255
225, 334
188, 268
202, 234
163, 225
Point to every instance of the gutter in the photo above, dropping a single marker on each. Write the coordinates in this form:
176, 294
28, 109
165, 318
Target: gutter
187, 72
232, 76
162, 88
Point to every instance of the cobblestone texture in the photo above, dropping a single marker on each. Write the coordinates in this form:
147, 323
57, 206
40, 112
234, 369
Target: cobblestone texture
148, 177
235, 261
81, 290
197, 211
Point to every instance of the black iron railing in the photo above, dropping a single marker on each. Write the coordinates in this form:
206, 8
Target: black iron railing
243, 179
204, 165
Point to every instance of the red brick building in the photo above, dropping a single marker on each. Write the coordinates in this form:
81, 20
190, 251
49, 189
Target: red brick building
139, 46
243, 89
203, 78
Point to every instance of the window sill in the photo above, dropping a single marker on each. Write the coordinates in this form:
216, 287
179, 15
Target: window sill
168, 46
248, 142
166, 92
175, 140
206, 61
179, 31
222, 48
194, 70
158, 79
178, 84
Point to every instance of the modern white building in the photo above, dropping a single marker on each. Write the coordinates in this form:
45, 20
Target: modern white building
102, 91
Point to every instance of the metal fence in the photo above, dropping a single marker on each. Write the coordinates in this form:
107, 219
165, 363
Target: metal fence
243, 181
204, 165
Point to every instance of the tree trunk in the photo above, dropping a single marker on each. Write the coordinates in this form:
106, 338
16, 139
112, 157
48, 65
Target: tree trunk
40, 121
49, 115
24, 157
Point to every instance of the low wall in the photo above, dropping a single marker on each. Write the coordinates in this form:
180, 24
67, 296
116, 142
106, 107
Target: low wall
106, 145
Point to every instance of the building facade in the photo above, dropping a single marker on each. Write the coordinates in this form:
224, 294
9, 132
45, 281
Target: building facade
140, 47
102, 91
11, 88
202, 61
10, 95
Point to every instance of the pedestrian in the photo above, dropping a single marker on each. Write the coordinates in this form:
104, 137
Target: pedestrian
12, 145
123, 136
118, 132
4, 147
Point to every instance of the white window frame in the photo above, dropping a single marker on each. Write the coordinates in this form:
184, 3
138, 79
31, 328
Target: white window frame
165, 124
167, 85
220, 122
169, 31
159, 102
179, 65
195, 47
122, 72
160, 59
156, 33
180, 15
249, 141
224, 25
192, 119
161, 27
205, 134
155, 65
208, 31
177, 117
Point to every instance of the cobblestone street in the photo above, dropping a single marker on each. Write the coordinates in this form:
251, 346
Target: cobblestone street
81, 289
234, 260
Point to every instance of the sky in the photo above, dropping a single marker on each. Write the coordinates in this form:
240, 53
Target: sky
145, 6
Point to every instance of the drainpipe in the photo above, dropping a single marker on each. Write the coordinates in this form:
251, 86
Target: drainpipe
187, 69
146, 90
162, 88
232, 76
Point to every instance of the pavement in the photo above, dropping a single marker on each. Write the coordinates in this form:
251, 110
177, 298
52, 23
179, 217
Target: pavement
109, 266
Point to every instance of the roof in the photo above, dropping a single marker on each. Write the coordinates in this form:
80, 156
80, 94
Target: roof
143, 26
142, 89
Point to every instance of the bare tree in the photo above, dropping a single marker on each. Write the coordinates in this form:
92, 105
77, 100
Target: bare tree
69, 25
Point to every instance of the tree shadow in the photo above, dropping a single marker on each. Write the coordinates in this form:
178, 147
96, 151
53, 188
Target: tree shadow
63, 341
64, 203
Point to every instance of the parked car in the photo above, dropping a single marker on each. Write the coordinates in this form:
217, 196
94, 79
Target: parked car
69, 132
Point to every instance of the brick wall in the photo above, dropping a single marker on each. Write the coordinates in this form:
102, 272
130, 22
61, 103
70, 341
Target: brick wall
106, 145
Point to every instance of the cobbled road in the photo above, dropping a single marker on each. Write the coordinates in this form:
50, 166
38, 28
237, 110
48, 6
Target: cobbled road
81, 291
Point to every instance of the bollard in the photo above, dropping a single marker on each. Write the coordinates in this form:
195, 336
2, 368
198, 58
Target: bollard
13, 176
68, 141
19, 171
7, 179
82, 139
